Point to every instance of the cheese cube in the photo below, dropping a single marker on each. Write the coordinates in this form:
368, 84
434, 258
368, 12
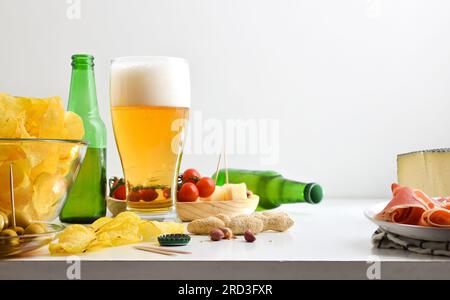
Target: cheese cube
238, 191
219, 194
231, 191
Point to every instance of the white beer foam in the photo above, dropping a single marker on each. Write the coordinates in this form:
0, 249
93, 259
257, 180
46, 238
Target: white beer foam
152, 81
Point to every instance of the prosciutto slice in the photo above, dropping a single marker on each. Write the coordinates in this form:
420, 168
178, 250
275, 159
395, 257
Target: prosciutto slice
405, 207
437, 217
414, 207
443, 202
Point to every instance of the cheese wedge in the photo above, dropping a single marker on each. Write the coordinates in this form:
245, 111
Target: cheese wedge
427, 170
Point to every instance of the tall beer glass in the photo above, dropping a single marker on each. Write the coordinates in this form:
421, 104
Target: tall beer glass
150, 100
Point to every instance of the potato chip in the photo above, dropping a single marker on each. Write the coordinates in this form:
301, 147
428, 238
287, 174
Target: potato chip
150, 230
100, 222
23, 187
44, 196
127, 215
21, 168
22, 195
52, 121
34, 110
44, 158
10, 103
126, 233
12, 125
68, 155
64, 167
74, 239
125, 228
73, 126
12, 117
10, 152
73, 130
102, 240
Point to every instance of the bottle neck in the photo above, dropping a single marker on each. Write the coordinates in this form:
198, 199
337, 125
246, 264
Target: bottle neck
294, 192
83, 95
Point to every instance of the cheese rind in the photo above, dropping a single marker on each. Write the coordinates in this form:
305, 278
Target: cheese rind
427, 170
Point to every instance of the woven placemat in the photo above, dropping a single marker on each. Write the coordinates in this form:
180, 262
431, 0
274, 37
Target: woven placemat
385, 240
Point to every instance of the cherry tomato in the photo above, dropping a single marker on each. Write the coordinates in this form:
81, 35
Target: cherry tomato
166, 192
187, 193
191, 175
133, 196
117, 188
205, 186
148, 194
120, 193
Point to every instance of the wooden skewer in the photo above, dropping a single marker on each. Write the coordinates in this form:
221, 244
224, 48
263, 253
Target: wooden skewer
225, 163
165, 249
11, 191
154, 251
217, 168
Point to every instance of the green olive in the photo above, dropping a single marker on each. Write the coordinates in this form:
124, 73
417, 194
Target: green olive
22, 219
34, 228
19, 230
10, 233
5, 219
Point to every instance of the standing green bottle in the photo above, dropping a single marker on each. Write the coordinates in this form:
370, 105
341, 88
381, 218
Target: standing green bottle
86, 200
273, 189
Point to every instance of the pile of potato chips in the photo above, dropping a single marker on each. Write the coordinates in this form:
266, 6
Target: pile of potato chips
125, 228
39, 167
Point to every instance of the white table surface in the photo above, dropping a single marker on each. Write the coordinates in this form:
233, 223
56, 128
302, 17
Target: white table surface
328, 240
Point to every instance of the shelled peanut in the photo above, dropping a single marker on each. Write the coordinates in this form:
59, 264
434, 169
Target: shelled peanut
256, 223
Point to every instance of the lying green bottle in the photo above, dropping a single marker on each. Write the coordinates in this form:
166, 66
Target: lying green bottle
273, 189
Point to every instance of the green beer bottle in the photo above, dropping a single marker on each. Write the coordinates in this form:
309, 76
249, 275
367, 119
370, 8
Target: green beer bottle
86, 200
272, 189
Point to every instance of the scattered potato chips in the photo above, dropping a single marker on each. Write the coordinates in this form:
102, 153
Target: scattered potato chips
74, 239
125, 228
151, 230
39, 167
100, 222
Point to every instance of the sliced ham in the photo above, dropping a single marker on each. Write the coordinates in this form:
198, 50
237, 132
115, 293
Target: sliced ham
437, 217
443, 202
424, 199
414, 207
404, 208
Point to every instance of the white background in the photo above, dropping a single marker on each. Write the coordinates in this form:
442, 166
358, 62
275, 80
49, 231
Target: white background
352, 82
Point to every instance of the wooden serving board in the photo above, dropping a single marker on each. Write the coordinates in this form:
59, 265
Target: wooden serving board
188, 211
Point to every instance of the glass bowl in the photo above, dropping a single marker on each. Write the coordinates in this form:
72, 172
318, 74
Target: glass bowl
13, 246
43, 172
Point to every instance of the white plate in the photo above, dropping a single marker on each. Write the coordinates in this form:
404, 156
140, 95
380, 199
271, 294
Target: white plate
412, 231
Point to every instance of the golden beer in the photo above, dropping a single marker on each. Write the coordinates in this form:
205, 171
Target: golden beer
150, 99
